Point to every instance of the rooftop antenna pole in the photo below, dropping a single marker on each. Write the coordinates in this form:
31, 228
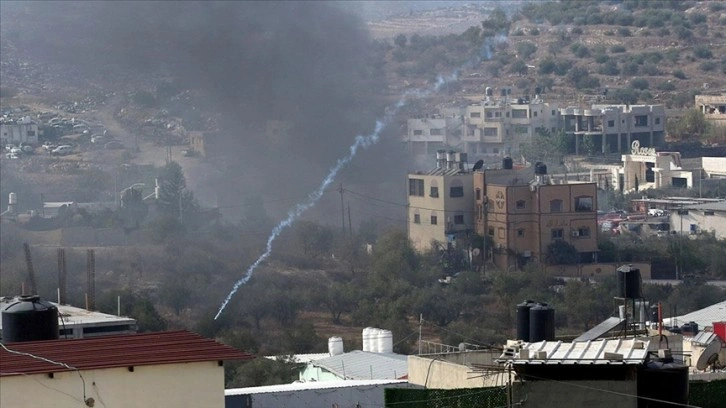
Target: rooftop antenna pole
31, 271
420, 325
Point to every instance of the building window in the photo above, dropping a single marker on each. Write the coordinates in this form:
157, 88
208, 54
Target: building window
434, 220
489, 114
456, 192
657, 121
418, 132
490, 131
436, 132
535, 114
416, 187
556, 206
458, 219
497, 114
495, 150
708, 213
611, 123
478, 194
417, 218
583, 203
491, 231
558, 233
520, 233
582, 232
641, 120
553, 112
434, 192
507, 114
475, 115
519, 113
693, 229
31, 133
521, 204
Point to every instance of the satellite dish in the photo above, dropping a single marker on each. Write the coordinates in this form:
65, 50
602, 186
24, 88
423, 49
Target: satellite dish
709, 355
478, 165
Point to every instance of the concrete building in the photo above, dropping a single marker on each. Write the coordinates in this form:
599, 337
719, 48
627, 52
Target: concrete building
523, 212
713, 108
613, 128
167, 369
603, 373
349, 393
441, 203
357, 365
77, 323
453, 370
23, 130
645, 168
700, 218
497, 127
425, 136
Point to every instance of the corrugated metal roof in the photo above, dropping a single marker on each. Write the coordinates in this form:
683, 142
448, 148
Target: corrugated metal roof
704, 317
311, 385
114, 351
631, 351
361, 365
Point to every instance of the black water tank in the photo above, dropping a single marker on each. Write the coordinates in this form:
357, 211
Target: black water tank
507, 163
523, 320
663, 384
28, 318
541, 323
540, 168
629, 282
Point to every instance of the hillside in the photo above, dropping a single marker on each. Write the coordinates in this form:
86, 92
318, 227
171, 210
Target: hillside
571, 51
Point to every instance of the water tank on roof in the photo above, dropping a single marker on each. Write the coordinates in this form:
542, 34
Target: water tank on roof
335, 346
629, 282
541, 323
368, 338
12, 199
540, 168
28, 318
385, 341
507, 163
523, 320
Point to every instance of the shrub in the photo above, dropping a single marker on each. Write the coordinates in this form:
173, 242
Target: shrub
666, 86
630, 68
624, 32
562, 67
650, 69
576, 30
608, 33
609, 68
707, 66
639, 83
547, 66
703, 52
617, 49
534, 31
525, 49
601, 58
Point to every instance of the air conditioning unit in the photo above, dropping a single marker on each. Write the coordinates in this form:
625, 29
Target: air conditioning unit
575, 233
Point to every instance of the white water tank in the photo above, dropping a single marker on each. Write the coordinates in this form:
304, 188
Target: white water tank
12, 199
385, 341
373, 339
335, 346
367, 333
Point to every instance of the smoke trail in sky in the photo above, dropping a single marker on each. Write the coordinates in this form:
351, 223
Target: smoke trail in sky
360, 142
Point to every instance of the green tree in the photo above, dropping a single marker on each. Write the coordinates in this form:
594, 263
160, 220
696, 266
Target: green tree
525, 49
691, 126
400, 40
133, 209
561, 252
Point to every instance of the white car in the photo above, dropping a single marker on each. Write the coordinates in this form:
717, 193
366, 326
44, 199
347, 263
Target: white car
16, 150
656, 212
62, 150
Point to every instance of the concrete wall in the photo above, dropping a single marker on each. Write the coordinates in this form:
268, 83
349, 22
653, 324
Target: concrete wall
343, 397
590, 394
431, 373
171, 385
716, 223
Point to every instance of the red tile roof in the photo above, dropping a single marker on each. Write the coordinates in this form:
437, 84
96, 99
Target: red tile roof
114, 351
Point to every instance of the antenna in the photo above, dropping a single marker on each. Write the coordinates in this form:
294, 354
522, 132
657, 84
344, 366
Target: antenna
709, 355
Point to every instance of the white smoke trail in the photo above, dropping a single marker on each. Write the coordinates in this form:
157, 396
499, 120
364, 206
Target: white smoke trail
360, 142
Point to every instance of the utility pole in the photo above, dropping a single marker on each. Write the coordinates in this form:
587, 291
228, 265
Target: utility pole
350, 224
342, 208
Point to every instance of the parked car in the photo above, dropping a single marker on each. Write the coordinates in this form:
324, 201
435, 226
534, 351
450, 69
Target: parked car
12, 156
656, 212
62, 150
9, 147
97, 139
48, 145
16, 150
114, 145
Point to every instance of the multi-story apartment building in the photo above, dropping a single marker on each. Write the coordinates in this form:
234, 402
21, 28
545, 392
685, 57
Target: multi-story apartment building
523, 213
497, 128
425, 136
613, 128
440, 203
